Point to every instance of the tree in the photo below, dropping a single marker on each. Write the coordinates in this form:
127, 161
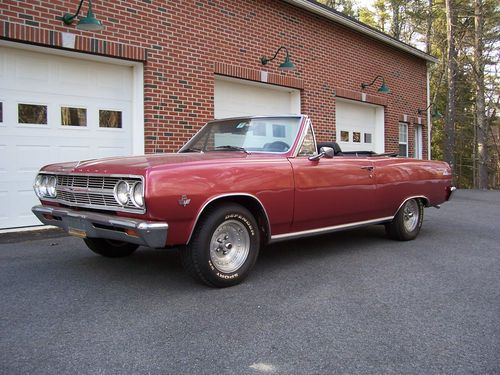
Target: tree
481, 123
348, 7
452, 54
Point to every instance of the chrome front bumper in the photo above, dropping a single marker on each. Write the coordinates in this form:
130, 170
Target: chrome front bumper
94, 225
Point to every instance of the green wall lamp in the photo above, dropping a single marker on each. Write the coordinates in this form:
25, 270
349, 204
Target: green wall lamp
382, 89
435, 113
88, 23
286, 65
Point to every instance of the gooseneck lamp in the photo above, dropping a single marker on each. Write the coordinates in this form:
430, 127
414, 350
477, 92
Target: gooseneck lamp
286, 65
88, 23
382, 89
435, 113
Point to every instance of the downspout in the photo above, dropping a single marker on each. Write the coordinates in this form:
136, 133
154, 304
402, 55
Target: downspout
429, 117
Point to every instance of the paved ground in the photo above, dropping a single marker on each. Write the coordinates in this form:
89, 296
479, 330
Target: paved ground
352, 302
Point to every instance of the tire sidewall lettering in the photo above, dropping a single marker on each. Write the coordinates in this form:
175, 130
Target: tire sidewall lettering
242, 219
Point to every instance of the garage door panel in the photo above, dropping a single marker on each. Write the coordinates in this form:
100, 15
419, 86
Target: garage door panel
74, 75
105, 152
239, 98
32, 72
56, 82
73, 153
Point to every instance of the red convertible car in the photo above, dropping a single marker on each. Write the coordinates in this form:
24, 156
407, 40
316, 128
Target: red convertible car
236, 186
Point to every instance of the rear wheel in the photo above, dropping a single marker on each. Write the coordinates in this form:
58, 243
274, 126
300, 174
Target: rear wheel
407, 223
224, 246
110, 248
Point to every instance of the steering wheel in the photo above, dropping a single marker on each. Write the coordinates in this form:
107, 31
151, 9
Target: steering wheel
277, 146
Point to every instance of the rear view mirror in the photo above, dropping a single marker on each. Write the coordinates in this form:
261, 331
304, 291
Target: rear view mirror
327, 152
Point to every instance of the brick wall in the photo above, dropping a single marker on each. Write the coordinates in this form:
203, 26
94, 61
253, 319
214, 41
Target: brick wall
184, 43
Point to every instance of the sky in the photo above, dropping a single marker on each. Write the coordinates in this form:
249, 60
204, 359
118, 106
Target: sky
365, 3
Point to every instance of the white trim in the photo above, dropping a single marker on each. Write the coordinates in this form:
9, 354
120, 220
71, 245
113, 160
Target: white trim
138, 110
335, 228
362, 28
400, 142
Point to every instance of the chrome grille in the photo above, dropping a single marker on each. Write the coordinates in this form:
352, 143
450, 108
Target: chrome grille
91, 191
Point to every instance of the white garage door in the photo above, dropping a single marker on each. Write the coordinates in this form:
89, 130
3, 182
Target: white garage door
359, 126
55, 108
244, 98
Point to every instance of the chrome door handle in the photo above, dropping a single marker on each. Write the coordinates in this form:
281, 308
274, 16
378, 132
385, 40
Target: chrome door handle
368, 168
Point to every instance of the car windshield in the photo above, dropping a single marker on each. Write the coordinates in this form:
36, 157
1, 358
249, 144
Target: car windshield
263, 134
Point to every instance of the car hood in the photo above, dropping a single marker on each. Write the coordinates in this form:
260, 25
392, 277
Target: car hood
139, 164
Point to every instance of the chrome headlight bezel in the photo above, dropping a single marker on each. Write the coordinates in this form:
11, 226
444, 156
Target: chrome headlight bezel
137, 194
45, 186
52, 186
121, 192
37, 185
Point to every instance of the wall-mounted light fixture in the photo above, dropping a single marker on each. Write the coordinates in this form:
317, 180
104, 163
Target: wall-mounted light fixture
382, 89
435, 113
286, 65
88, 23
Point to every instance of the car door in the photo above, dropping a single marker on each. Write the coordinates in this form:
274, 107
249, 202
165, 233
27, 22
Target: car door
331, 192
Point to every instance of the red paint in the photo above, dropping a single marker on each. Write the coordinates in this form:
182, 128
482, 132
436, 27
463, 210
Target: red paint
297, 194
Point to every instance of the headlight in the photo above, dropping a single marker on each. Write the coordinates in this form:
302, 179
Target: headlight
37, 186
121, 192
137, 194
51, 186
45, 186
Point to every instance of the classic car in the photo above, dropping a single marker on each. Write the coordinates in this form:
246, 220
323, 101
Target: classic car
237, 185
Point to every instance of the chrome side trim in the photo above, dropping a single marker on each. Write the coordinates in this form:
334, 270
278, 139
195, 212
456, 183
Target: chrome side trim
427, 204
335, 228
96, 225
226, 196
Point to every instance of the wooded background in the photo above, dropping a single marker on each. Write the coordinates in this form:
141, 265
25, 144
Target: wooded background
465, 36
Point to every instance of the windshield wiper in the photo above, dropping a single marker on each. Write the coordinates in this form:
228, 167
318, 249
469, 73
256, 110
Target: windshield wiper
230, 148
192, 149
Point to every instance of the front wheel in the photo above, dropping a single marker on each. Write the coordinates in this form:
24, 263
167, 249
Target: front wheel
224, 246
110, 248
407, 223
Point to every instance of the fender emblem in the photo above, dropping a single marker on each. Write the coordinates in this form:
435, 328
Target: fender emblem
184, 201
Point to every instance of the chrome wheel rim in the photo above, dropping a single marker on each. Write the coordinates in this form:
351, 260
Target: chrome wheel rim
411, 215
229, 246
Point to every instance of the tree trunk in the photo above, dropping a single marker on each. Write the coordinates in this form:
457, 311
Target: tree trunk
481, 123
449, 126
396, 22
428, 34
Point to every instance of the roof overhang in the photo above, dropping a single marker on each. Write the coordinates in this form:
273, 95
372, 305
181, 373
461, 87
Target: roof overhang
353, 24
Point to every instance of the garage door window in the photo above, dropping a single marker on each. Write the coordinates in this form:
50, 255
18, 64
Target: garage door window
32, 114
403, 139
110, 119
73, 116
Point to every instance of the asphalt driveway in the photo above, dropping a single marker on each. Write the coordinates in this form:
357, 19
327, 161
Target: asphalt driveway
352, 302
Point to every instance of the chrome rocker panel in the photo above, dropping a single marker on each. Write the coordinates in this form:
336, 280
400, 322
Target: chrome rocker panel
96, 225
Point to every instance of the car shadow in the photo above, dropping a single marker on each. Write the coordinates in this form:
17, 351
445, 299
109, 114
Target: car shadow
163, 268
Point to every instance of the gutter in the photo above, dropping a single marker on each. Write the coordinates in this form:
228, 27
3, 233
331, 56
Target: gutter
353, 24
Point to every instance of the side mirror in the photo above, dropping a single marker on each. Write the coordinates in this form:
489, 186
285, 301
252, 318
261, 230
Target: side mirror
327, 152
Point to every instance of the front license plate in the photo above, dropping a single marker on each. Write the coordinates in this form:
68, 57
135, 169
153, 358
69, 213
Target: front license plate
77, 232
